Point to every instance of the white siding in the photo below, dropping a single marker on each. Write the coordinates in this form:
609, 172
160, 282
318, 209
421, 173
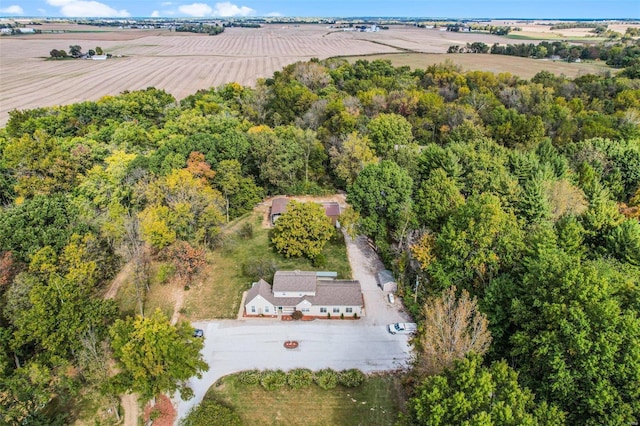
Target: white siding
317, 311
294, 293
259, 306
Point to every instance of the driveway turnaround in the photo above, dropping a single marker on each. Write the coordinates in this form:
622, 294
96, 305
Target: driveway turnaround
231, 346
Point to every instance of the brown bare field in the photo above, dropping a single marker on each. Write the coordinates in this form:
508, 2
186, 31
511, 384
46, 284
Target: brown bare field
182, 63
522, 67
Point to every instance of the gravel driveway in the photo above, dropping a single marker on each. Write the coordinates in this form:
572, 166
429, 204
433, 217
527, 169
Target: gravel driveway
236, 345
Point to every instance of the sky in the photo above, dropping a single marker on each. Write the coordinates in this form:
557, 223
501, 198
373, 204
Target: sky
543, 9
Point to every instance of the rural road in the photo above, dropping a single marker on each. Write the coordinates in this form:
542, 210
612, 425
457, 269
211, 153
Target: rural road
236, 345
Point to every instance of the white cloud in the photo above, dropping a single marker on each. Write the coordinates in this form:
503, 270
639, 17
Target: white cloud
228, 9
83, 8
197, 10
274, 14
155, 14
12, 10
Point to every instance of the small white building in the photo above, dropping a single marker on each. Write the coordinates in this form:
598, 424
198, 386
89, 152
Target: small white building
386, 281
308, 292
99, 57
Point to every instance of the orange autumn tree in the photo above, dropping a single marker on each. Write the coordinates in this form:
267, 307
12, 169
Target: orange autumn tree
187, 260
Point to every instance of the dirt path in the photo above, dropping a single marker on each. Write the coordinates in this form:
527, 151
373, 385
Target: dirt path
131, 412
118, 280
178, 298
129, 401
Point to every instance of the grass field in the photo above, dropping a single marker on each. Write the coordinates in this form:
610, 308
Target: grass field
522, 67
375, 402
221, 284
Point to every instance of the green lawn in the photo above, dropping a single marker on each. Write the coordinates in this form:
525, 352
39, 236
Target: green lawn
219, 289
375, 402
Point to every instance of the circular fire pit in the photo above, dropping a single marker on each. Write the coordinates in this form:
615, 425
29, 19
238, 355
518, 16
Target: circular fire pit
291, 344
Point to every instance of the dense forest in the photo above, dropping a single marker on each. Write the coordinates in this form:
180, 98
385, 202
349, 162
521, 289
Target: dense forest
519, 199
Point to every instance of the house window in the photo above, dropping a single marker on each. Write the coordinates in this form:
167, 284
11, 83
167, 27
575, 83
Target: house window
266, 309
336, 310
253, 309
304, 309
348, 310
323, 310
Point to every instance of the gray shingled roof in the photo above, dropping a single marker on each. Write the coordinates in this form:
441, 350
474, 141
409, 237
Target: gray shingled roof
261, 288
385, 276
328, 292
304, 281
332, 293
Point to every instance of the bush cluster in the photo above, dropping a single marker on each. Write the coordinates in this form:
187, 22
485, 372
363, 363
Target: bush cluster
249, 377
302, 377
326, 378
351, 378
273, 379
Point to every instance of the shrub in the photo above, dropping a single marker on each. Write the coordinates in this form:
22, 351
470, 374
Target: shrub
300, 378
355, 316
320, 260
210, 412
273, 379
165, 272
297, 315
246, 231
342, 316
328, 315
249, 377
351, 378
326, 378
155, 414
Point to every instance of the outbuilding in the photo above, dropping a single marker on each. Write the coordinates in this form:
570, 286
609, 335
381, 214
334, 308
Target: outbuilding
386, 281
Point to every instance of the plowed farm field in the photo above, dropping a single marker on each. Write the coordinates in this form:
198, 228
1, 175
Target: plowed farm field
182, 63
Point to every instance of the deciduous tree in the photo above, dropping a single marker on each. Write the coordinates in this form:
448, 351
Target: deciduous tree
470, 394
453, 326
303, 230
155, 356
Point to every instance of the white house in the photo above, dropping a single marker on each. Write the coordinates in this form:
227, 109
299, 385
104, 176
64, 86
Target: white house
308, 292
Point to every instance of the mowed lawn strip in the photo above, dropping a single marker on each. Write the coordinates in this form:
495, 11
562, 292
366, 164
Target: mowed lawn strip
219, 290
376, 402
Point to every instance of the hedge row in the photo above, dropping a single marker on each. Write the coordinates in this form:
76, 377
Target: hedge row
302, 377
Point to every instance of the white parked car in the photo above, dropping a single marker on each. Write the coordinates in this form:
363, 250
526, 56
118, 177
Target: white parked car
402, 328
392, 298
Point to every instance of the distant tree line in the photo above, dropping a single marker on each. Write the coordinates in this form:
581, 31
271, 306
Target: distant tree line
242, 25
618, 55
200, 29
75, 51
570, 25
